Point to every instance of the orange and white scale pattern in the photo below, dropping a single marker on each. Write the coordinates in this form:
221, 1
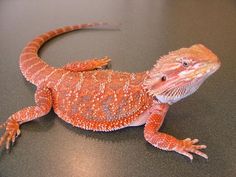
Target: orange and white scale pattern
91, 100
106, 100
32, 66
100, 100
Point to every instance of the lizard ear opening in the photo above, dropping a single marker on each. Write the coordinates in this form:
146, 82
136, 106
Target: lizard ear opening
163, 78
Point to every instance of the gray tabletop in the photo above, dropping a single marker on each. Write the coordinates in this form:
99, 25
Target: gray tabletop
148, 29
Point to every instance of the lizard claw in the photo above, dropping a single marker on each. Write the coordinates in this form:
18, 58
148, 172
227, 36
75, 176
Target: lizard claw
187, 146
102, 62
11, 132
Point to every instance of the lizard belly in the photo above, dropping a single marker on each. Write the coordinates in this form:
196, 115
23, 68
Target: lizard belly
141, 120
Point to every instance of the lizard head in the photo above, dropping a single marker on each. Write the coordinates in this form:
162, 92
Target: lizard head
180, 73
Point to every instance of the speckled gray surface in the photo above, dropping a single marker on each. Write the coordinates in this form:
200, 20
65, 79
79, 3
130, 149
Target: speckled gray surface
149, 29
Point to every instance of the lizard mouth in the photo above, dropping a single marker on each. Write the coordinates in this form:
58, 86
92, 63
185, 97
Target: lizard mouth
208, 70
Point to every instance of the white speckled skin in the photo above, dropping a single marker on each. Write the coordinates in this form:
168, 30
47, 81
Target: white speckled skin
107, 100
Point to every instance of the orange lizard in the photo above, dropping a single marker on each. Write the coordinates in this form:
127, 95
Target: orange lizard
106, 100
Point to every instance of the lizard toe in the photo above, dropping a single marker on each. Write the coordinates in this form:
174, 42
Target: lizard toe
103, 62
2, 125
11, 132
188, 146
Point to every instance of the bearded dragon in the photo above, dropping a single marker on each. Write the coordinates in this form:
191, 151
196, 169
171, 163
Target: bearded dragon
107, 100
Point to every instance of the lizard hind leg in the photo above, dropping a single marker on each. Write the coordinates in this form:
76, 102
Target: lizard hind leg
43, 105
87, 65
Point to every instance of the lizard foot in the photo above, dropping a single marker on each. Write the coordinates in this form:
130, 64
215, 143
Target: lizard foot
11, 132
187, 145
102, 62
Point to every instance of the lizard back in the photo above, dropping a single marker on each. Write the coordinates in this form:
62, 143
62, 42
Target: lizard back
100, 100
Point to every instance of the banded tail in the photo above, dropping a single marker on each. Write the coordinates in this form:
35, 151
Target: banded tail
31, 65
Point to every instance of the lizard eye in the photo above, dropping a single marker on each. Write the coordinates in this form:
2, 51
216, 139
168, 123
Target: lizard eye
185, 63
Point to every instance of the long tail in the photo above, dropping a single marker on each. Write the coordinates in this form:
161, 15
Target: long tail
31, 65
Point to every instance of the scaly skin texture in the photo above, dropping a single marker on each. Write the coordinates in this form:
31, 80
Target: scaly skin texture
106, 100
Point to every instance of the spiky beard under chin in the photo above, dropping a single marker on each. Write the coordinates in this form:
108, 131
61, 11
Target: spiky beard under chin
174, 94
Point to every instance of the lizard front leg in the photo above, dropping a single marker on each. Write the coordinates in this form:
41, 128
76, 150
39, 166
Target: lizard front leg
43, 101
87, 65
167, 142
